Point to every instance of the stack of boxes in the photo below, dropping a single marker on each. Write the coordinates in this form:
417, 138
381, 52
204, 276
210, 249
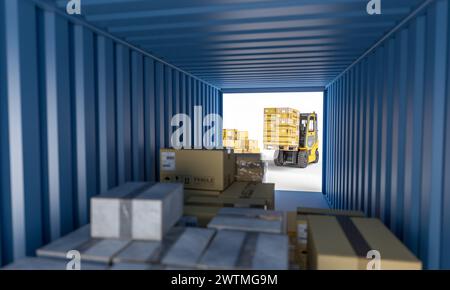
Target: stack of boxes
281, 128
209, 182
239, 141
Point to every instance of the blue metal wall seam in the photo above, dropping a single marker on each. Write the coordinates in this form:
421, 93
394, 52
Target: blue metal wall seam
137, 120
106, 113
347, 133
4, 149
160, 119
445, 241
352, 149
413, 165
182, 94
377, 133
176, 92
59, 138
123, 107
399, 128
438, 132
23, 122
85, 116
362, 132
340, 160
151, 154
168, 102
355, 130
385, 138
369, 134
324, 141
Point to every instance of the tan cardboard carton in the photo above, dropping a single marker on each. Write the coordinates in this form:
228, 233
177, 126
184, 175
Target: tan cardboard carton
343, 243
252, 190
198, 169
303, 212
227, 202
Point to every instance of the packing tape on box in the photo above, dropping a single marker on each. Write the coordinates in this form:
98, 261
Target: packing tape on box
126, 210
354, 236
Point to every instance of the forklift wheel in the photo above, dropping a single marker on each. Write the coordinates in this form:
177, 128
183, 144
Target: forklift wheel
278, 158
317, 157
302, 159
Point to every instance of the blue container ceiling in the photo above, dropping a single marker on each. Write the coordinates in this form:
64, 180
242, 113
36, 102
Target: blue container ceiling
236, 44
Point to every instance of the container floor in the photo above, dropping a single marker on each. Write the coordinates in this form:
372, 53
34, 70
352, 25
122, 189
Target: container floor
290, 200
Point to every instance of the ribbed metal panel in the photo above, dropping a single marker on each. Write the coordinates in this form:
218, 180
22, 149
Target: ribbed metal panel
79, 113
241, 44
387, 132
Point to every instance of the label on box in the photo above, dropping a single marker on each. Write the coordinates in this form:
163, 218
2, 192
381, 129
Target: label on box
203, 180
168, 161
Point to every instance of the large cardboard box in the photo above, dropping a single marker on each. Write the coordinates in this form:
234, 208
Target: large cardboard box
303, 212
249, 219
252, 190
136, 210
198, 169
343, 243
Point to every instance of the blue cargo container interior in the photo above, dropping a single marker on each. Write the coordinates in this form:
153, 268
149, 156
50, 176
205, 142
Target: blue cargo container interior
86, 101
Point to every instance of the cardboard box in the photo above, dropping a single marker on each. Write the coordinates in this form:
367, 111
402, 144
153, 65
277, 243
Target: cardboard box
143, 211
303, 212
249, 219
198, 169
227, 202
342, 242
253, 190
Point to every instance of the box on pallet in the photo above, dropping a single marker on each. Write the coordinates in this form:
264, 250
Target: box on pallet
198, 169
239, 194
136, 210
352, 240
249, 219
250, 168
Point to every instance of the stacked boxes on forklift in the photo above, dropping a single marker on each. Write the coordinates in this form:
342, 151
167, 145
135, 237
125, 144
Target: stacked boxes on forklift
281, 128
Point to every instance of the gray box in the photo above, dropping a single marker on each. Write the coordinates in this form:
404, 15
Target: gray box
251, 220
137, 210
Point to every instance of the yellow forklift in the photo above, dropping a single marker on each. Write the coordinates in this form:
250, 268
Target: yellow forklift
304, 150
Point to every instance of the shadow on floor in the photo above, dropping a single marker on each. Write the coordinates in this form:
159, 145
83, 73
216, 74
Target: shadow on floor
290, 200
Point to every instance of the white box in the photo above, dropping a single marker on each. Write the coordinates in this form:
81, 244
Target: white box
143, 211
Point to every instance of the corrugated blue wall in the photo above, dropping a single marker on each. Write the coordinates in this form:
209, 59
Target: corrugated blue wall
79, 113
388, 133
